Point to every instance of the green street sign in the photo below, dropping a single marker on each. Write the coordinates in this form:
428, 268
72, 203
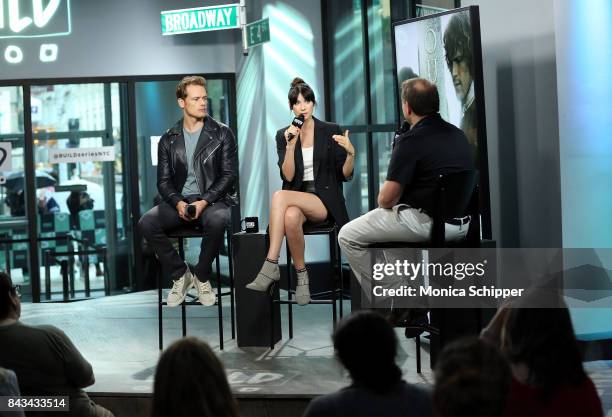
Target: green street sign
200, 19
258, 32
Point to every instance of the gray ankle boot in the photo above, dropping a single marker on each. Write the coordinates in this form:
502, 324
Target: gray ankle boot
302, 290
269, 273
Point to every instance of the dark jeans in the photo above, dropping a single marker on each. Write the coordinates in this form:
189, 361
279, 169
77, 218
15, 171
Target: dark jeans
162, 218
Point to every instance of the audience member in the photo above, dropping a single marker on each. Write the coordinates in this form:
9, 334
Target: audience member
548, 378
190, 381
9, 387
43, 357
366, 345
472, 378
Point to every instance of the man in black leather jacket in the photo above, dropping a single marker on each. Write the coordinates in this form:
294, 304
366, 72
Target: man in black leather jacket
196, 171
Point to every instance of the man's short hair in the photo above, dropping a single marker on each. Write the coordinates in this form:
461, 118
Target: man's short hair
422, 96
458, 40
181, 88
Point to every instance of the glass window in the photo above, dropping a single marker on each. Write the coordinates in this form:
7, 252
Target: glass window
427, 7
382, 88
14, 248
346, 56
382, 156
356, 190
79, 204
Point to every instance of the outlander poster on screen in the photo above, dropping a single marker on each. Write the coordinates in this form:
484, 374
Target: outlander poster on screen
445, 48
441, 49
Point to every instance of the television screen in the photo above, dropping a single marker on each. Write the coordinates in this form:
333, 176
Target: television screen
445, 49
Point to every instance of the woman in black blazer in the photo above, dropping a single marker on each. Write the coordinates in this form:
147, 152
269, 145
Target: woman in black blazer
314, 161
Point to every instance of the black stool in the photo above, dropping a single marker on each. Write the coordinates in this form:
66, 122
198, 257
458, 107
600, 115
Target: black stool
456, 196
337, 291
190, 231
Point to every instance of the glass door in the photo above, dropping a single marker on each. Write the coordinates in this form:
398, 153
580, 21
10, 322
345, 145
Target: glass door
14, 246
77, 137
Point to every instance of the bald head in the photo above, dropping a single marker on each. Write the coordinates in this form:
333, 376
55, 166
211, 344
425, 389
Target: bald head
421, 96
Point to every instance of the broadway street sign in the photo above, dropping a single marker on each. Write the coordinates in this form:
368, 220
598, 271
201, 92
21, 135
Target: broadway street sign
200, 19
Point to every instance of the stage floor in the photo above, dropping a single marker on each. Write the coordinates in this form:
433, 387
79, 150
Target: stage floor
118, 335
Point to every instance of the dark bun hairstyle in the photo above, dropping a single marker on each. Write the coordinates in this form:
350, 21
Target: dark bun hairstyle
298, 86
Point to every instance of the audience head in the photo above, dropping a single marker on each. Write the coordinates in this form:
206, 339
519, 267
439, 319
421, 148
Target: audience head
190, 381
10, 303
471, 379
543, 339
366, 345
420, 99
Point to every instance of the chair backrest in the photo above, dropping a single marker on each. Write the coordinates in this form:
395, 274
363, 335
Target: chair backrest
453, 199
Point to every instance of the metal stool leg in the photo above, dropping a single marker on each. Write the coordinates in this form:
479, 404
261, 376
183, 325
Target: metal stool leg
184, 319
289, 294
340, 275
230, 261
159, 313
417, 341
272, 315
334, 286
183, 310
219, 302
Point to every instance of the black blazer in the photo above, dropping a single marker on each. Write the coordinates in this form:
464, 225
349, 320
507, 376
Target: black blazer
328, 159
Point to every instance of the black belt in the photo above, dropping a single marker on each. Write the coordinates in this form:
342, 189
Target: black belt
459, 221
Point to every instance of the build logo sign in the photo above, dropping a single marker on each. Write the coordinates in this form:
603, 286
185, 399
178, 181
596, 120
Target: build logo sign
37, 19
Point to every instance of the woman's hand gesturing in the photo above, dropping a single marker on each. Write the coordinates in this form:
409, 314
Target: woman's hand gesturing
344, 141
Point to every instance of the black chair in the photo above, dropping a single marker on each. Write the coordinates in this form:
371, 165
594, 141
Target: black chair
191, 231
456, 197
337, 292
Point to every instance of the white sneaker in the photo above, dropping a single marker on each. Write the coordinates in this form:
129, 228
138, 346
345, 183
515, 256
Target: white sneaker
206, 293
179, 289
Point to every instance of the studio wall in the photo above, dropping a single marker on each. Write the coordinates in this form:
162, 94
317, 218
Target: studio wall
520, 79
584, 41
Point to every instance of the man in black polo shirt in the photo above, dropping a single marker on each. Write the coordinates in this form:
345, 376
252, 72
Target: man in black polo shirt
420, 154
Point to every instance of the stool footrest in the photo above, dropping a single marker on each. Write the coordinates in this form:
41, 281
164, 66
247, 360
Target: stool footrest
311, 301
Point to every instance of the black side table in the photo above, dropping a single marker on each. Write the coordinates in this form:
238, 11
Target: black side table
252, 307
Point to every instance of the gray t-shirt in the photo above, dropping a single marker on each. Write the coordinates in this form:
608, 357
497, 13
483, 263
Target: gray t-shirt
47, 363
191, 140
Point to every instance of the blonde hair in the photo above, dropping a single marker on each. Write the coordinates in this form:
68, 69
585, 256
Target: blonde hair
181, 88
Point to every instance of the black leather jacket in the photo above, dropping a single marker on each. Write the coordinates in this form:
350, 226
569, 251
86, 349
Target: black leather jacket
215, 163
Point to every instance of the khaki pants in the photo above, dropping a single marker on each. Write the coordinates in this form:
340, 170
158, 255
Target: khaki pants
402, 223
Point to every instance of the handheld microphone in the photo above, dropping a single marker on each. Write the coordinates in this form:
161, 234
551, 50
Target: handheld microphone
297, 122
191, 210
